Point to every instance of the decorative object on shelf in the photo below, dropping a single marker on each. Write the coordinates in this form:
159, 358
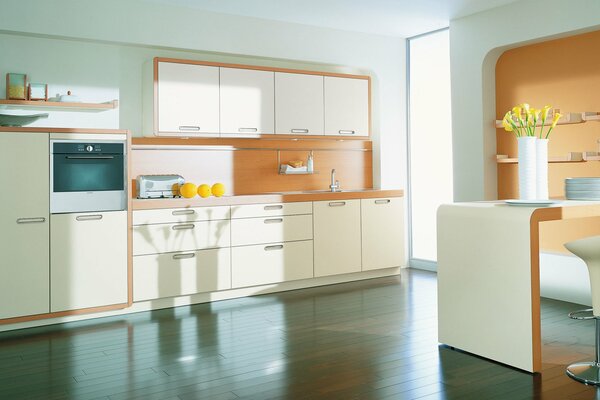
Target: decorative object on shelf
296, 163
16, 86
188, 190
38, 91
204, 191
310, 163
523, 121
69, 98
218, 189
19, 120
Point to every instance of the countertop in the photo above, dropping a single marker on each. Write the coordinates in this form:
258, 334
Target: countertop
283, 197
62, 130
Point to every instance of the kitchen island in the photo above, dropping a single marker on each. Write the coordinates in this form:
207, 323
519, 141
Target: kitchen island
488, 277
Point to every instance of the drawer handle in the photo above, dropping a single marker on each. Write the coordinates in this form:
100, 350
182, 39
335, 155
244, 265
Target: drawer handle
35, 220
248, 130
183, 256
337, 204
189, 128
346, 132
183, 226
299, 130
275, 207
386, 201
275, 247
273, 220
183, 212
95, 217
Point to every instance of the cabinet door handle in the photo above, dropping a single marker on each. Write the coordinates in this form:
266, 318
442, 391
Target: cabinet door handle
183, 226
386, 201
273, 220
183, 256
337, 204
275, 247
248, 130
183, 212
346, 132
95, 217
34, 220
275, 207
189, 128
299, 130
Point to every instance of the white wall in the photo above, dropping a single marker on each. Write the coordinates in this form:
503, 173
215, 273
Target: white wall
114, 38
476, 42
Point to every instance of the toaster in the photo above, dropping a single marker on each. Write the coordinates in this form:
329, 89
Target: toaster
158, 186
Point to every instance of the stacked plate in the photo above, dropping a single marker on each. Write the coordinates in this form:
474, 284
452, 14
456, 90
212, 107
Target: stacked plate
582, 188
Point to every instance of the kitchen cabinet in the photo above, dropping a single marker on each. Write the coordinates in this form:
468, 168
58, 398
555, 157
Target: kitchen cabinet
187, 100
382, 224
271, 210
24, 218
346, 106
298, 104
337, 237
88, 259
181, 273
247, 231
247, 99
272, 263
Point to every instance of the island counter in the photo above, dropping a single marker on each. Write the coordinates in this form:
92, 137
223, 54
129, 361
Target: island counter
488, 277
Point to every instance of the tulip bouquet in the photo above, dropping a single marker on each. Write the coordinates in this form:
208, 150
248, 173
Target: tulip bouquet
523, 120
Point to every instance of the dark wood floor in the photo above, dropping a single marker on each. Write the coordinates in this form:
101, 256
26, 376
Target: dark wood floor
375, 339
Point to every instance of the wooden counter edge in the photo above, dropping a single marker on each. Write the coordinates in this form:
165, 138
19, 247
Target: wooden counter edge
17, 129
151, 204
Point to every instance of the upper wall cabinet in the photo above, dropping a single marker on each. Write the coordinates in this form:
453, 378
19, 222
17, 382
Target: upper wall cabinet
187, 100
247, 102
346, 106
298, 104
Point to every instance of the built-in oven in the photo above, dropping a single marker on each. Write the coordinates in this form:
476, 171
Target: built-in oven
87, 175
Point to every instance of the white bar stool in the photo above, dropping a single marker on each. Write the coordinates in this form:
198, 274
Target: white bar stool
588, 249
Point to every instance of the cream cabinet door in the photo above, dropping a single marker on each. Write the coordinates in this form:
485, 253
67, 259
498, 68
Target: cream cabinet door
298, 104
246, 231
247, 102
337, 237
382, 233
24, 233
88, 260
178, 274
272, 263
346, 106
188, 100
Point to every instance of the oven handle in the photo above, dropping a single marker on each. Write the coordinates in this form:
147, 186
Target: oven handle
89, 157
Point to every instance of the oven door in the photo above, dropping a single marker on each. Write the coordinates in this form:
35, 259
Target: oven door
82, 182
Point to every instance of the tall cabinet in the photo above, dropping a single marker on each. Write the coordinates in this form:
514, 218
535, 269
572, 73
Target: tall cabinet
24, 237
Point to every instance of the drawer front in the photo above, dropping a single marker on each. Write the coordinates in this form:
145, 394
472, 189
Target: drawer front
178, 274
271, 210
187, 236
263, 264
178, 215
271, 229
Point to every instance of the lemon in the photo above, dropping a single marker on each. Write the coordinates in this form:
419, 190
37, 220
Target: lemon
188, 190
204, 190
218, 189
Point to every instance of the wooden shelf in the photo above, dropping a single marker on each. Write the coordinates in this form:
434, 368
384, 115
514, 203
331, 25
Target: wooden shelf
57, 105
573, 157
567, 119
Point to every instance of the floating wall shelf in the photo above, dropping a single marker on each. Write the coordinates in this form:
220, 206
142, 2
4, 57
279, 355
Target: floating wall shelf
57, 106
572, 157
567, 119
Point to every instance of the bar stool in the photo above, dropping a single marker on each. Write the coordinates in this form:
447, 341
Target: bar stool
588, 249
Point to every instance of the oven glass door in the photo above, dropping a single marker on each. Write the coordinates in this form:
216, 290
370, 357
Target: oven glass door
88, 173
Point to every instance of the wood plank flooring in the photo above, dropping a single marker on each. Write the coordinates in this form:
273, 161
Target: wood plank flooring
374, 339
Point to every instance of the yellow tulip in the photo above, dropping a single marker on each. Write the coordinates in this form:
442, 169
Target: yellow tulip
535, 113
507, 126
545, 111
517, 111
525, 107
555, 119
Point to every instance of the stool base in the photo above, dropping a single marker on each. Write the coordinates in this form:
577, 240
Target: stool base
586, 372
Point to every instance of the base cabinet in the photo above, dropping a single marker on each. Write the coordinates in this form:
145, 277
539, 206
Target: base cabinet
24, 233
271, 263
337, 237
382, 233
178, 274
88, 258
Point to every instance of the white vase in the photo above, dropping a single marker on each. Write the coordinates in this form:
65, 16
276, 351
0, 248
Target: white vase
541, 171
527, 167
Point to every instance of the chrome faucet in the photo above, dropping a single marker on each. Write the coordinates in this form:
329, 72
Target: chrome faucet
335, 184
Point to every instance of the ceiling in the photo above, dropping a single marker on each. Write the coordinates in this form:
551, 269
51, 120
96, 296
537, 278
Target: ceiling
403, 18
